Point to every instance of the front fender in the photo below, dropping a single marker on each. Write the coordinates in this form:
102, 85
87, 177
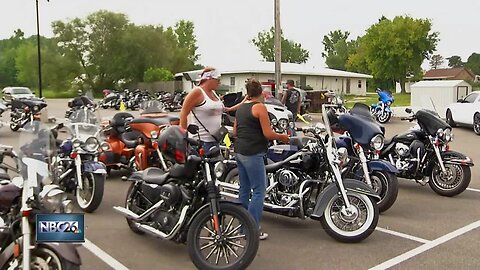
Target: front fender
453, 157
94, 167
381, 165
352, 186
68, 252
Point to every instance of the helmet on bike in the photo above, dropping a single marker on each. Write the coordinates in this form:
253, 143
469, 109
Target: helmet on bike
172, 143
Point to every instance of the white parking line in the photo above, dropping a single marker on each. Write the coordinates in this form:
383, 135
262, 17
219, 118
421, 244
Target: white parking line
403, 235
473, 189
427, 246
103, 256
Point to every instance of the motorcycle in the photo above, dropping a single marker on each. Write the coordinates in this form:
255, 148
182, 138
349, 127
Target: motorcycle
25, 111
337, 102
134, 100
22, 199
77, 169
365, 135
382, 110
308, 183
109, 100
183, 205
81, 105
3, 108
424, 151
174, 102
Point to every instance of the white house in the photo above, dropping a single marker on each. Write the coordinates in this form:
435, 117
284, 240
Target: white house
437, 95
234, 78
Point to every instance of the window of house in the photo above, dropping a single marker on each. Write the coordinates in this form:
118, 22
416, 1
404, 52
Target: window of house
359, 83
232, 80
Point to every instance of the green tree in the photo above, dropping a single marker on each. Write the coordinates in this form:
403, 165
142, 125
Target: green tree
473, 63
8, 53
157, 74
455, 61
185, 33
436, 61
291, 52
337, 49
394, 49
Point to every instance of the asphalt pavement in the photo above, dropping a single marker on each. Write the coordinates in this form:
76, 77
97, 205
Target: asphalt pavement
421, 231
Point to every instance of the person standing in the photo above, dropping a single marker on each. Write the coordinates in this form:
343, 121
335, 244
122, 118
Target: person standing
253, 130
203, 107
292, 99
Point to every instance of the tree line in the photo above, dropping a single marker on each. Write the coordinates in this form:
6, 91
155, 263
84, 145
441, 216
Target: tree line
392, 50
103, 50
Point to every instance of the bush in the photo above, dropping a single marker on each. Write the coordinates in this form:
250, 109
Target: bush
157, 74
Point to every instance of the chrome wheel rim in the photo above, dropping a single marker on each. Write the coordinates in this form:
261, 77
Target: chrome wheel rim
450, 179
476, 124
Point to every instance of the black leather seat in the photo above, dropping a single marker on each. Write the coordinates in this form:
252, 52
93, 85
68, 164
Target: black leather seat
154, 175
130, 139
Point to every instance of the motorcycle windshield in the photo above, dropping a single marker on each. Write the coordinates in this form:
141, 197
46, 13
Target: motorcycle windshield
152, 109
385, 95
430, 122
360, 128
84, 123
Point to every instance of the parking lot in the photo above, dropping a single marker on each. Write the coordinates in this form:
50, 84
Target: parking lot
421, 231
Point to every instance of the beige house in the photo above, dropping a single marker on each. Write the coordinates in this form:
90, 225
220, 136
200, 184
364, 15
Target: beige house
233, 79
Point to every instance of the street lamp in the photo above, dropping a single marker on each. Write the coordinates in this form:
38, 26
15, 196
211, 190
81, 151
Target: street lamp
38, 53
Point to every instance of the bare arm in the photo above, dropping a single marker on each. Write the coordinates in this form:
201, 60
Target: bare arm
284, 97
260, 111
235, 107
235, 128
191, 100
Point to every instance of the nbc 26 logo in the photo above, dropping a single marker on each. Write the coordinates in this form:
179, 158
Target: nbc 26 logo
60, 228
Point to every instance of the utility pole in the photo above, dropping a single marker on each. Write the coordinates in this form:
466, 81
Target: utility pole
39, 56
278, 51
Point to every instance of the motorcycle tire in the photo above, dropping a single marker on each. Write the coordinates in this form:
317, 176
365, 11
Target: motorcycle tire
14, 127
117, 106
250, 230
51, 258
384, 119
443, 188
130, 198
98, 184
336, 231
385, 185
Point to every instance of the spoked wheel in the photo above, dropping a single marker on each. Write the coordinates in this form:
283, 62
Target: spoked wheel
132, 203
453, 182
384, 117
385, 185
90, 197
350, 225
234, 248
43, 258
476, 123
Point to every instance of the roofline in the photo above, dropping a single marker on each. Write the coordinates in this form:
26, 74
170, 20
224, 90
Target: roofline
350, 75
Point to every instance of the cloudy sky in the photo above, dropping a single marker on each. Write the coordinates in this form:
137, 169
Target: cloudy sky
224, 28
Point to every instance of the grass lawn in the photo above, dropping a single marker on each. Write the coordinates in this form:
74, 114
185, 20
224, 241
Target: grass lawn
371, 98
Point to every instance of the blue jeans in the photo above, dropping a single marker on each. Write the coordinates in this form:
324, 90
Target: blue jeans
251, 170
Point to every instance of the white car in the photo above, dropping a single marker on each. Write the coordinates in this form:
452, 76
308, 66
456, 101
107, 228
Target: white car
11, 93
465, 112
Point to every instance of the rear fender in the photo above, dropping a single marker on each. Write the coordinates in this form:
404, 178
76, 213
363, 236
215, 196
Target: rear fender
352, 186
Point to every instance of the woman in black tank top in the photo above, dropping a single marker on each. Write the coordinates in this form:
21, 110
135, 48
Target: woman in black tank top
253, 130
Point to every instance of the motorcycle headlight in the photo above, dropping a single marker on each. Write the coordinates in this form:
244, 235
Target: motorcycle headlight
283, 123
77, 143
448, 136
389, 103
154, 134
274, 121
52, 197
91, 144
440, 133
36, 108
105, 146
377, 142
219, 169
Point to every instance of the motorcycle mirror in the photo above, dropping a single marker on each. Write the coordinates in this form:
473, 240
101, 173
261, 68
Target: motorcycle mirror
408, 110
193, 129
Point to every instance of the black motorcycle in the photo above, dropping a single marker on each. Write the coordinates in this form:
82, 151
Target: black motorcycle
80, 105
110, 100
308, 183
424, 152
184, 205
25, 111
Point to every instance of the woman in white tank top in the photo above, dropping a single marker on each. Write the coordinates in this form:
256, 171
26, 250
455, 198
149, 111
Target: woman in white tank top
203, 107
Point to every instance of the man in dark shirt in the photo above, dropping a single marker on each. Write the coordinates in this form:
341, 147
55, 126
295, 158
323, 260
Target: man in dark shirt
292, 98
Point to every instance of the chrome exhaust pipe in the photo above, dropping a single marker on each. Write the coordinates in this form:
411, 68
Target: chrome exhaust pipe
124, 211
157, 233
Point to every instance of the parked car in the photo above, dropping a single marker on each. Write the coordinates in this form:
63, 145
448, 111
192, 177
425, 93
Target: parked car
10, 93
465, 112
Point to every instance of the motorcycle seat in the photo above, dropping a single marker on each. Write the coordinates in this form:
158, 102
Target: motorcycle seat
130, 139
155, 175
